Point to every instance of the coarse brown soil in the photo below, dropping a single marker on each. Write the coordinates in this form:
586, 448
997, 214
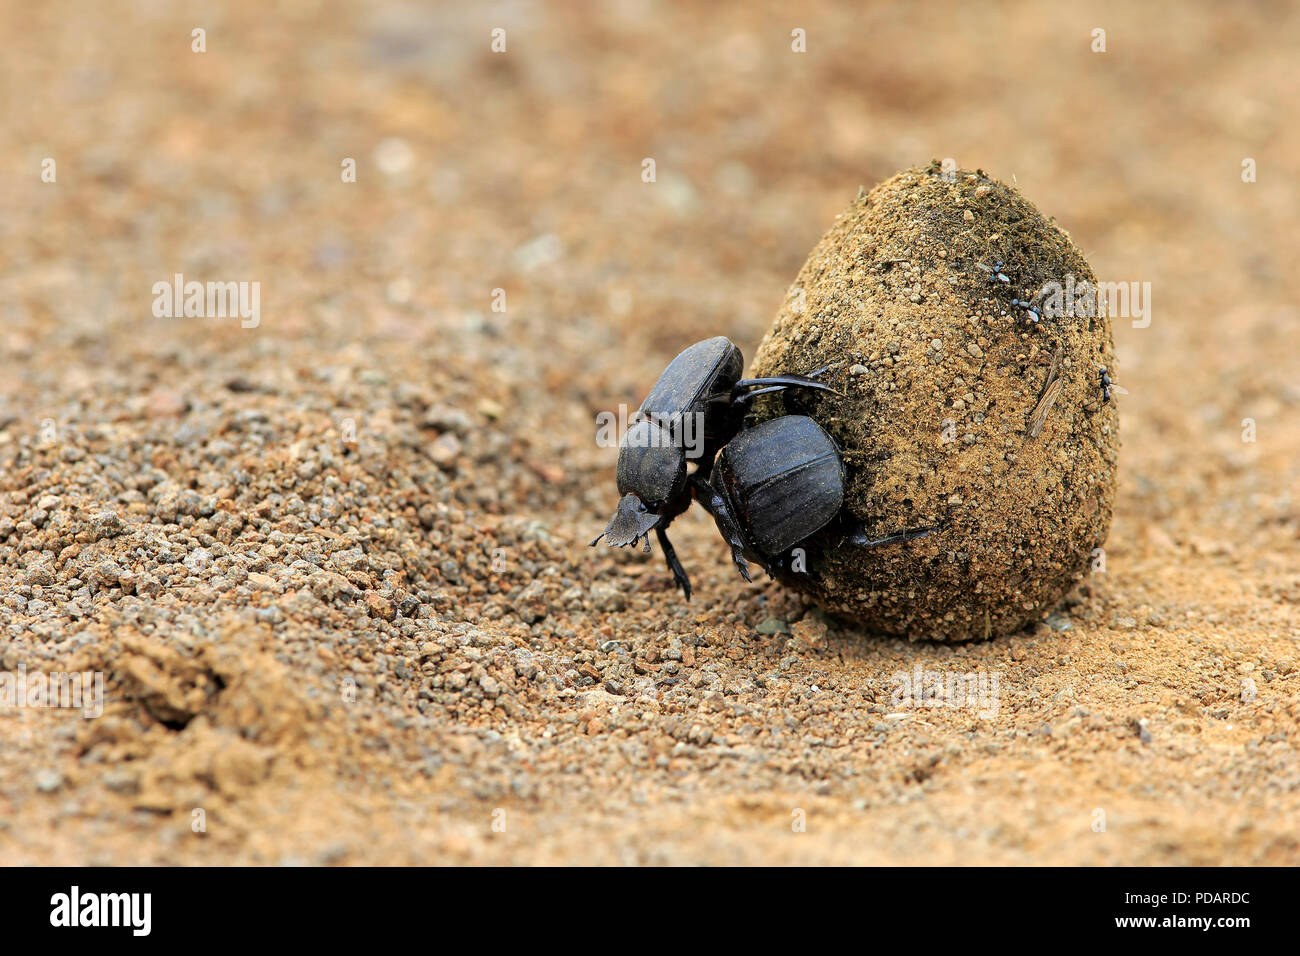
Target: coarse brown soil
334, 568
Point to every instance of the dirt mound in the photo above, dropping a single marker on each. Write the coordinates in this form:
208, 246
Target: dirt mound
912, 299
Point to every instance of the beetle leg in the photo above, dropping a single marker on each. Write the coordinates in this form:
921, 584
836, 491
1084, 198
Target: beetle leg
674, 565
788, 380
742, 399
738, 555
712, 502
859, 538
775, 566
704, 493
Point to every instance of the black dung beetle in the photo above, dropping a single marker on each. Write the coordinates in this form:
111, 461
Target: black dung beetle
777, 484
695, 408
772, 486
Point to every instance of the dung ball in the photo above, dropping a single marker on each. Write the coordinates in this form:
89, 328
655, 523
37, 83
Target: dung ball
965, 339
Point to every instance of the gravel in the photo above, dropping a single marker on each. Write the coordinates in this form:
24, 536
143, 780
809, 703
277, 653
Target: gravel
334, 570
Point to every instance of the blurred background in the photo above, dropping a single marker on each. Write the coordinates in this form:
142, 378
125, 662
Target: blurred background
522, 171
513, 177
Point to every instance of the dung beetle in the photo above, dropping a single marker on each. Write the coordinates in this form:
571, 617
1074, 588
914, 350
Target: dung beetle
777, 484
700, 393
772, 486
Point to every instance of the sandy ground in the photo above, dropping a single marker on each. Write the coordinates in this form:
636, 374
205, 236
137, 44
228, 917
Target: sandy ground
333, 568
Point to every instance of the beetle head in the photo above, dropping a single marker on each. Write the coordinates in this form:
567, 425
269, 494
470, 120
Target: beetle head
631, 521
651, 463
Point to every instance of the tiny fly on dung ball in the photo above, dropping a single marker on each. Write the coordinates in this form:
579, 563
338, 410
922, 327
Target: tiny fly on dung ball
995, 272
1107, 388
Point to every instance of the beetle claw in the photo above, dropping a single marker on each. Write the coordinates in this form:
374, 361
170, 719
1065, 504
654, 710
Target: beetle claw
741, 564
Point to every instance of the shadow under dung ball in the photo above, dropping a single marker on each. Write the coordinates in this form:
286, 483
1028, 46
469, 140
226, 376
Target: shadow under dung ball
945, 377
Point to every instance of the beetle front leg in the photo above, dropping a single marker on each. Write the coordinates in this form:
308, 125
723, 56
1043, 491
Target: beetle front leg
748, 388
674, 565
713, 503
